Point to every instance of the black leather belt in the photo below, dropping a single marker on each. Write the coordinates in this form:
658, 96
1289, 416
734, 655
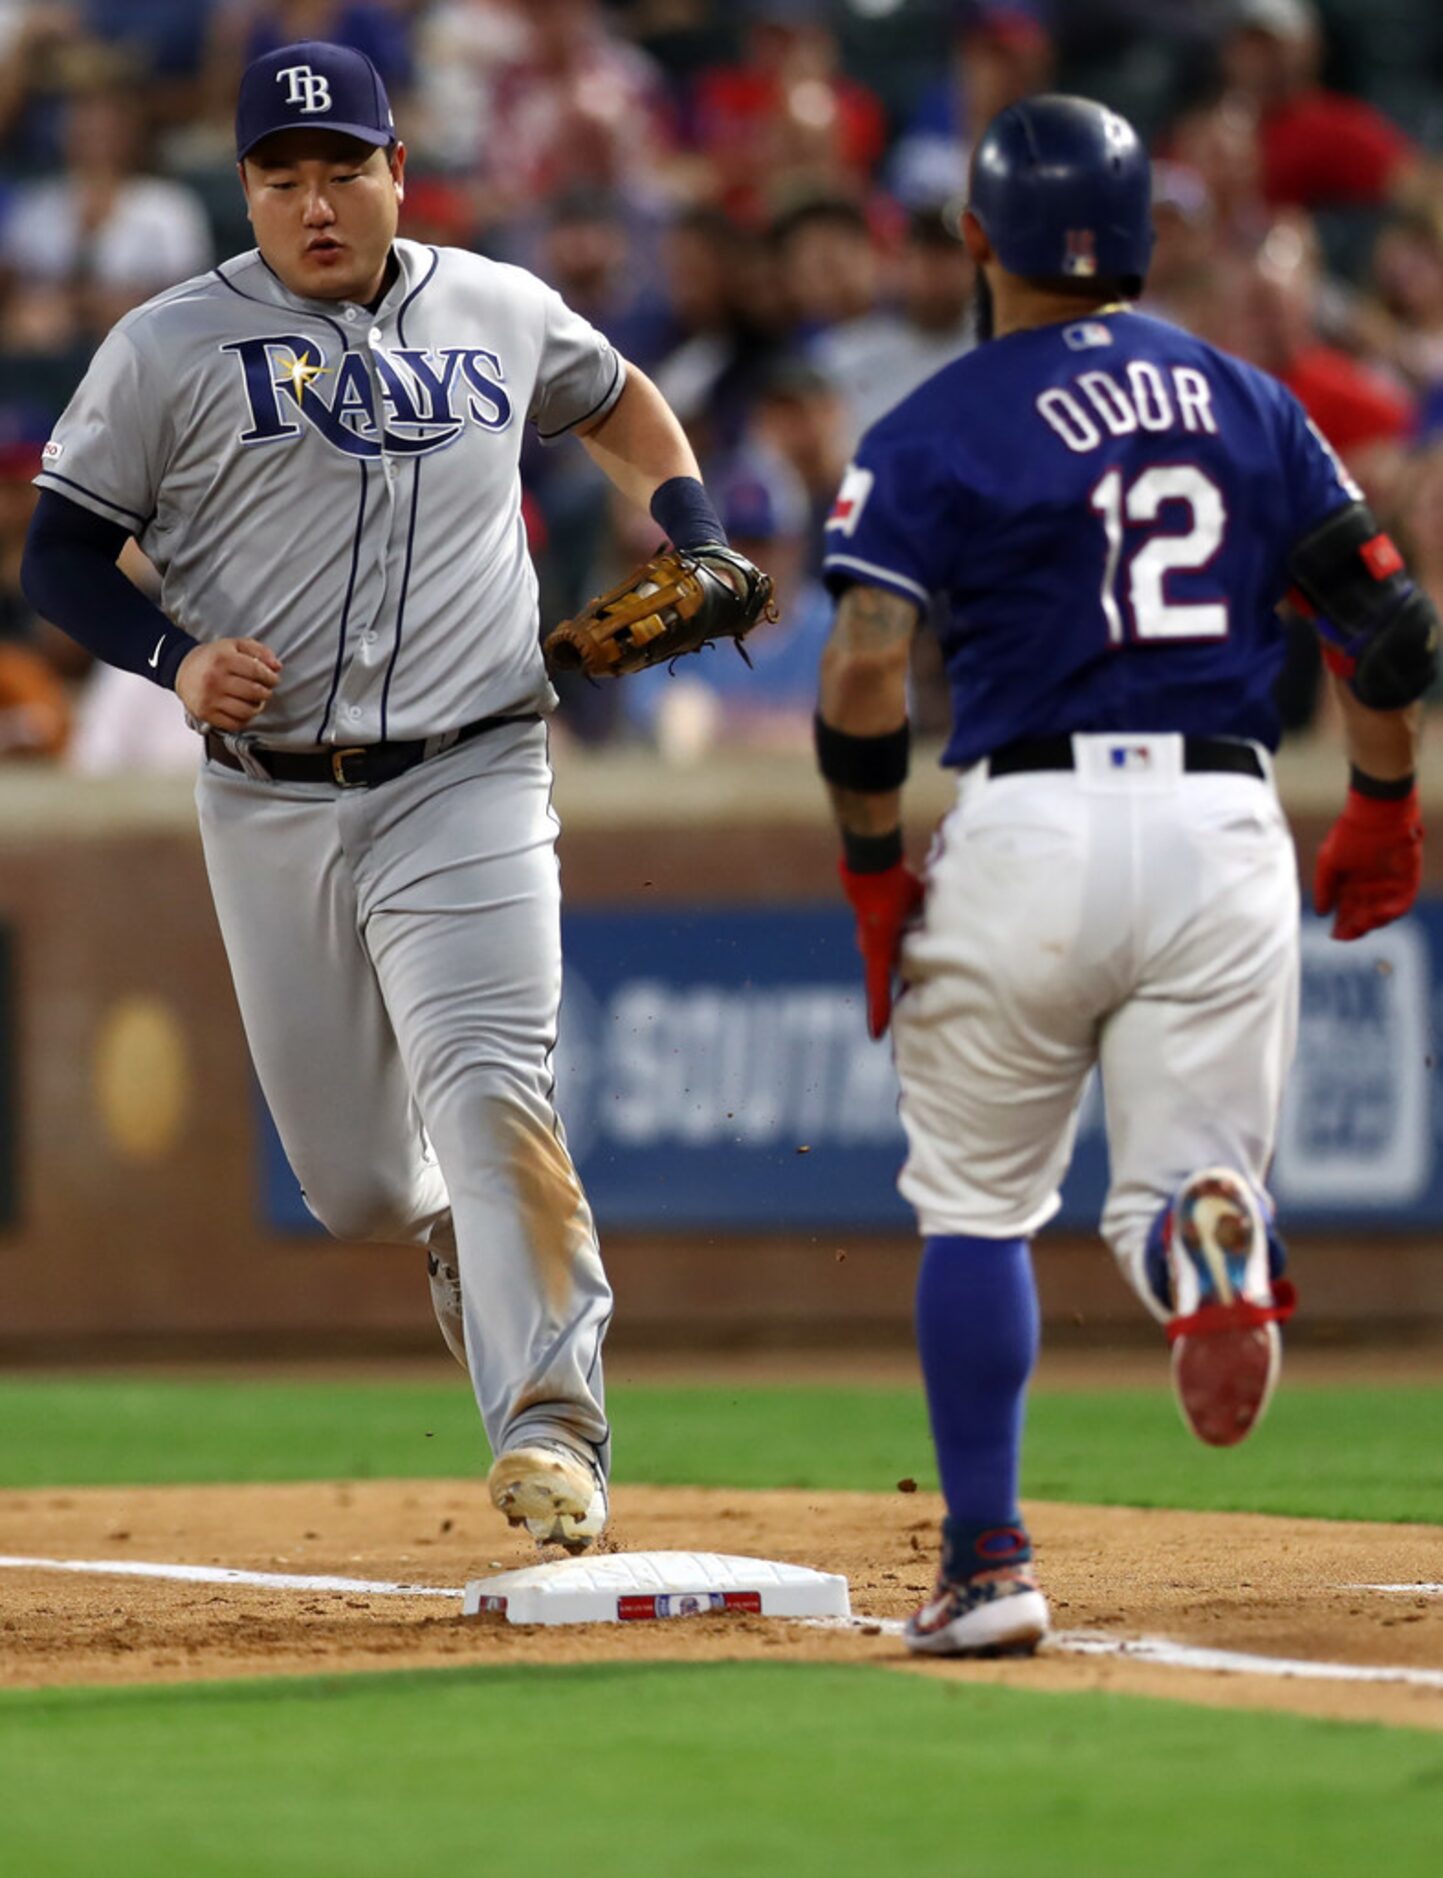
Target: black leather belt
1198, 754
352, 766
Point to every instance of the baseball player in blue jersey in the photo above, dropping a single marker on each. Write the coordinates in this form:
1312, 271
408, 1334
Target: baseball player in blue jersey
317, 445
1107, 513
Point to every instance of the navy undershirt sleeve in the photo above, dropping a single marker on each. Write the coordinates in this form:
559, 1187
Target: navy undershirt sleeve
69, 575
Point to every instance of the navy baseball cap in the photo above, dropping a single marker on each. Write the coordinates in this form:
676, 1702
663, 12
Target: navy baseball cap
312, 85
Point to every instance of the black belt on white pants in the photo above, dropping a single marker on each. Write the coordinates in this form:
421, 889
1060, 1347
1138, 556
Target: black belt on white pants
1199, 755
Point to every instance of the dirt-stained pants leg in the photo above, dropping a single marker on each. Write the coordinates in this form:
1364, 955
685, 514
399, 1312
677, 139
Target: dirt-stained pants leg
460, 907
396, 954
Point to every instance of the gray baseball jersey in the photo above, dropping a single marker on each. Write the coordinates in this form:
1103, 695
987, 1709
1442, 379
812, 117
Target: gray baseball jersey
342, 484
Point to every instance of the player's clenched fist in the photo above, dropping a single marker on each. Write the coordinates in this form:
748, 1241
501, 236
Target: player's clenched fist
228, 682
1371, 864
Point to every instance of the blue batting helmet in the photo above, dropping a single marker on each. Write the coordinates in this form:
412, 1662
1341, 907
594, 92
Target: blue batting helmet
1063, 188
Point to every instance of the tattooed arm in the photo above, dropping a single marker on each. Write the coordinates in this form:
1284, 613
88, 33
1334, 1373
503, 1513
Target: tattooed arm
864, 691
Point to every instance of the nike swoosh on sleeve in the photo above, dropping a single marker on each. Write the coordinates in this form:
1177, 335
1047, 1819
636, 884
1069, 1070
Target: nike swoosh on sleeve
154, 658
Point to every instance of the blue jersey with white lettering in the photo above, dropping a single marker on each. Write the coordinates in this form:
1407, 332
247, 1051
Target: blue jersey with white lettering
1104, 511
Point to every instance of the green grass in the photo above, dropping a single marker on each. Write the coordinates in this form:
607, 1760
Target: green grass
1359, 1453
721, 1770
728, 1771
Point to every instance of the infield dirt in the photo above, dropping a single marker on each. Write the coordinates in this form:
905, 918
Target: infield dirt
1276, 1587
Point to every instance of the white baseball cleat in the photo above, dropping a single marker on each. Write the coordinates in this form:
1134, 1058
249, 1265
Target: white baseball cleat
996, 1613
552, 1490
1226, 1351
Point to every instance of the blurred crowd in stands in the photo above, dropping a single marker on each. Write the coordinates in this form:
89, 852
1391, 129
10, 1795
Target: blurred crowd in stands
758, 201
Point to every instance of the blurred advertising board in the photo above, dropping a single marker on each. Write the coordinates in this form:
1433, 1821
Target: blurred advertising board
713, 1070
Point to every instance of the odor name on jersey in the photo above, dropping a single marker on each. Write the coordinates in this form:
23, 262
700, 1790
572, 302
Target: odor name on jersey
1102, 512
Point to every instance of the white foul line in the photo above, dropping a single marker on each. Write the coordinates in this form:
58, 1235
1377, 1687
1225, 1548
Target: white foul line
228, 1575
1238, 1662
1154, 1650
1163, 1652
1422, 1591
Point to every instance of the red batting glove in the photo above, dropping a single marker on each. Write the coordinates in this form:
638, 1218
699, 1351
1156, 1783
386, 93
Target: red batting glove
883, 904
1371, 864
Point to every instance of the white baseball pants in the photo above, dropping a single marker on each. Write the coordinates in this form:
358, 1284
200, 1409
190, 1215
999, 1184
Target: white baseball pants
397, 957
1132, 916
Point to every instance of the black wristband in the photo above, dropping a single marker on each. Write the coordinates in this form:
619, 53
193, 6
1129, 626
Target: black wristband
870, 765
871, 854
682, 509
1379, 791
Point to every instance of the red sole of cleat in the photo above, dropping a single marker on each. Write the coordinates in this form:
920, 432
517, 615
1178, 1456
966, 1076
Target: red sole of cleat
1223, 1381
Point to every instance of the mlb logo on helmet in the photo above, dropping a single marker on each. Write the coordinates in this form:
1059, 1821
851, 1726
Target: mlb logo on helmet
312, 85
1079, 262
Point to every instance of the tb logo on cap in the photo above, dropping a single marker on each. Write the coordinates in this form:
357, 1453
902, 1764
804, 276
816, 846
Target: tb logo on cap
308, 88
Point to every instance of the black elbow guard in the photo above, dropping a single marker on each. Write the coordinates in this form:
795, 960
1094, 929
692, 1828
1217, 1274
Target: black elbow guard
1350, 570
1400, 661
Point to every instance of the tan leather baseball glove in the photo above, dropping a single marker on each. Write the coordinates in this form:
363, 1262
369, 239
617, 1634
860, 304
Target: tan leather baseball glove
677, 602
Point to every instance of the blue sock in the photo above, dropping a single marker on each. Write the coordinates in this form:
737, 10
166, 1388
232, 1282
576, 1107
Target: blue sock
977, 1338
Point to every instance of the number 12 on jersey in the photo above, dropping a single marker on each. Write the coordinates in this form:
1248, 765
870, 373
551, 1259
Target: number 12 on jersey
1143, 594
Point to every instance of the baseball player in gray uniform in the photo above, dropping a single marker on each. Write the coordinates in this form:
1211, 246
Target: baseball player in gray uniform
317, 446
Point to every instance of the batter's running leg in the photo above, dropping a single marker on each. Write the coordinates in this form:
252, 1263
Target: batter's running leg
1212, 1261
977, 1333
1193, 1072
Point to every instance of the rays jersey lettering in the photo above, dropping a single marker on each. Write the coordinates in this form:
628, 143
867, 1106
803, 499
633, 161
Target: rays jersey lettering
428, 395
402, 604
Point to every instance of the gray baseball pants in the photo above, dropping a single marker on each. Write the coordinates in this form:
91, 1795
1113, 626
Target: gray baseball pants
397, 958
